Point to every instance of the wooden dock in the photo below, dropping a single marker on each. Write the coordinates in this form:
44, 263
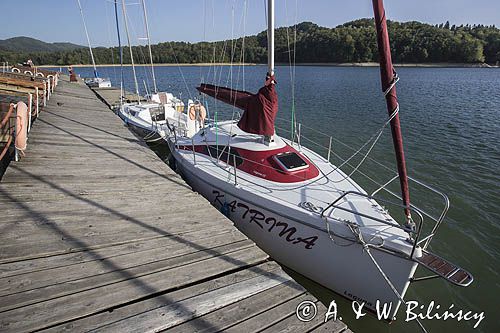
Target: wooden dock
97, 233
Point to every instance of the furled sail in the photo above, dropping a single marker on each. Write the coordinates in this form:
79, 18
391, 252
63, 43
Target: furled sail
389, 80
260, 108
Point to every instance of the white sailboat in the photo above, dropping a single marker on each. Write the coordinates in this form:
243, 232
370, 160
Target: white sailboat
96, 81
148, 119
299, 208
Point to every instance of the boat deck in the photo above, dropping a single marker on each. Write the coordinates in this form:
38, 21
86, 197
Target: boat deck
97, 233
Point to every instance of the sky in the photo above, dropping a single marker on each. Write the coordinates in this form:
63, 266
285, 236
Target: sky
197, 20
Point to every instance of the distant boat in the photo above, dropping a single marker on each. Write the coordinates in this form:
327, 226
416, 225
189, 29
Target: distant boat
96, 81
302, 210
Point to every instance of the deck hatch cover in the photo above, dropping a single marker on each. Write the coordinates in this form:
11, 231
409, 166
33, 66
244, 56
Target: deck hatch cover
290, 161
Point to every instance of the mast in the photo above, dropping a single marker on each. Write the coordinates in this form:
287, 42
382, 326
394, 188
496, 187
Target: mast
260, 109
388, 78
149, 44
270, 37
130, 49
88, 39
121, 51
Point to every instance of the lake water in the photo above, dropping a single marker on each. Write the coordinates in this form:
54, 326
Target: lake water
451, 127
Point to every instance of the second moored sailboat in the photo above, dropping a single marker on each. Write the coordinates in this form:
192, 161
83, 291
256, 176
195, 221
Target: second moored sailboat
148, 119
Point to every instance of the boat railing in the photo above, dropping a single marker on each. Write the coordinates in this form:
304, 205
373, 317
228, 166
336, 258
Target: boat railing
299, 138
415, 233
229, 157
437, 220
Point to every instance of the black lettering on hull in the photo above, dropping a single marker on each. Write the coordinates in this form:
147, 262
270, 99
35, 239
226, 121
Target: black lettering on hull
255, 216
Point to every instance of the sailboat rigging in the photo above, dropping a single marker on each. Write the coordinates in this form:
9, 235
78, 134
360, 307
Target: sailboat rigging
124, 11
149, 45
148, 118
120, 50
261, 108
96, 81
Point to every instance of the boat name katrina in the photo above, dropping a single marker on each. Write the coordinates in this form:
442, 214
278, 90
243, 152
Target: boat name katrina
255, 216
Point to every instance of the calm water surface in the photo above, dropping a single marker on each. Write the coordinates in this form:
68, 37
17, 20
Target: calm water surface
451, 126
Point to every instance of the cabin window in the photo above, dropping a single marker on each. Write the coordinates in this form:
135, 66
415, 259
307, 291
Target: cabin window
225, 154
290, 161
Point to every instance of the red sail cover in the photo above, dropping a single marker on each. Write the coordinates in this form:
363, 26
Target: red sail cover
260, 108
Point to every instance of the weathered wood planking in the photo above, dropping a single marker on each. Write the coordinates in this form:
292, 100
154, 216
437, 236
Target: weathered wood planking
97, 233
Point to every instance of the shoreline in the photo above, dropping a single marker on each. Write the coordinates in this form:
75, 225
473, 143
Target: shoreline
320, 64
423, 65
156, 65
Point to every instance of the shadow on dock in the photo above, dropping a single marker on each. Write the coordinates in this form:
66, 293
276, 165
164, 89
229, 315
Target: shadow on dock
97, 233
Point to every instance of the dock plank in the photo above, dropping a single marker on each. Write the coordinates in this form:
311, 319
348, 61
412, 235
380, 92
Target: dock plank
34, 287
246, 309
105, 251
93, 323
74, 306
165, 317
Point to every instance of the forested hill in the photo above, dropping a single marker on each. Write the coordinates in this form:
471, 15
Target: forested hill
412, 42
27, 44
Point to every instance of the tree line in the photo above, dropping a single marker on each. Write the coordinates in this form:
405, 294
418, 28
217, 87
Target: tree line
411, 42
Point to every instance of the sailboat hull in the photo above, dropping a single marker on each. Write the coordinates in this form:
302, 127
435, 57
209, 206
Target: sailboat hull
148, 130
303, 244
98, 83
143, 130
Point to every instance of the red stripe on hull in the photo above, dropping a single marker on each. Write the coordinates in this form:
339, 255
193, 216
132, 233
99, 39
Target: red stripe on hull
262, 164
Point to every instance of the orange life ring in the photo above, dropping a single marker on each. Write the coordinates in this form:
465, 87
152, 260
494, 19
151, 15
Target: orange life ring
21, 127
197, 110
